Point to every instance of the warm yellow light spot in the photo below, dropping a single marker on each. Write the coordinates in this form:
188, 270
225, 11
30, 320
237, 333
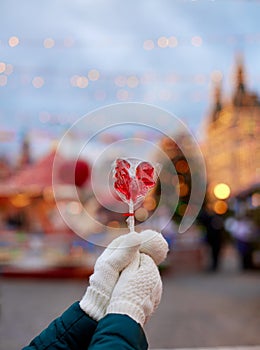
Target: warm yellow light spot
221, 191
3, 80
162, 42
196, 41
13, 41
122, 95
20, 200
148, 45
2, 67
38, 82
220, 207
132, 81
48, 43
141, 214
172, 41
93, 74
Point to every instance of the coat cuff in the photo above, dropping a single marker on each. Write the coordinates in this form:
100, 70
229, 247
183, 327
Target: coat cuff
117, 332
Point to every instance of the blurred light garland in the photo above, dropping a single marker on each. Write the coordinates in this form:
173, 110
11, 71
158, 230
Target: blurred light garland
172, 41
39, 77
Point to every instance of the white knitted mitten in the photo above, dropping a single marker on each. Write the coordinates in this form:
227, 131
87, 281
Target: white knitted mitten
138, 290
108, 266
154, 245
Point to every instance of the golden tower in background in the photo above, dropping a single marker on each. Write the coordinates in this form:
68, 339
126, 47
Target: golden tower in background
232, 144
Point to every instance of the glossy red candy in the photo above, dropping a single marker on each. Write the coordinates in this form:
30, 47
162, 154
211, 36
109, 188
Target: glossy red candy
133, 182
145, 174
122, 177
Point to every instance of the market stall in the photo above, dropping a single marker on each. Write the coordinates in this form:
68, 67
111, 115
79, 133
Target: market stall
34, 240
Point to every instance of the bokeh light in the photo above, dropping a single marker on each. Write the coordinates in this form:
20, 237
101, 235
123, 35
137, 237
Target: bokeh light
182, 166
162, 42
149, 203
120, 80
183, 189
220, 207
2, 67
132, 81
148, 45
221, 191
141, 214
172, 41
20, 200
13, 41
79, 81
3, 80
48, 43
122, 95
93, 74
38, 82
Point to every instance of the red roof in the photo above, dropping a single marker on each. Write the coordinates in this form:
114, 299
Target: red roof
34, 177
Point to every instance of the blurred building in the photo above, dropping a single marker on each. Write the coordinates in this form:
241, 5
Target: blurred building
232, 144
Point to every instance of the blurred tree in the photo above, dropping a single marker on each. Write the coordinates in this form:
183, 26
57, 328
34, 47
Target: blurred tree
175, 177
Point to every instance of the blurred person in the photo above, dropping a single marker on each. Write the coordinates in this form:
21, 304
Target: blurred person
244, 232
214, 225
123, 292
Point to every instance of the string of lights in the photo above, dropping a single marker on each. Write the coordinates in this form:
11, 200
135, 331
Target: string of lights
39, 76
161, 42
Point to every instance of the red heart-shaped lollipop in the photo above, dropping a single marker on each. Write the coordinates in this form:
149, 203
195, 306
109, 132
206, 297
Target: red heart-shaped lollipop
133, 183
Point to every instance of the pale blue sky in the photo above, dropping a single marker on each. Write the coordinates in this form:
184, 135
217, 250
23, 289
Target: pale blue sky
108, 35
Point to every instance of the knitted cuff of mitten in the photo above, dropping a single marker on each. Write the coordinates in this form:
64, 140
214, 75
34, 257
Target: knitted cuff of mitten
128, 308
94, 303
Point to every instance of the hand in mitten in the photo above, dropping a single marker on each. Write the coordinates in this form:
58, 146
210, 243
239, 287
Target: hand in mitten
138, 290
154, 245
106, 273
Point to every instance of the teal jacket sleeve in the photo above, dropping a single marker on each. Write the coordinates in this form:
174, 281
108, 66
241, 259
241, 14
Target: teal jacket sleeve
116, 331
73, 330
